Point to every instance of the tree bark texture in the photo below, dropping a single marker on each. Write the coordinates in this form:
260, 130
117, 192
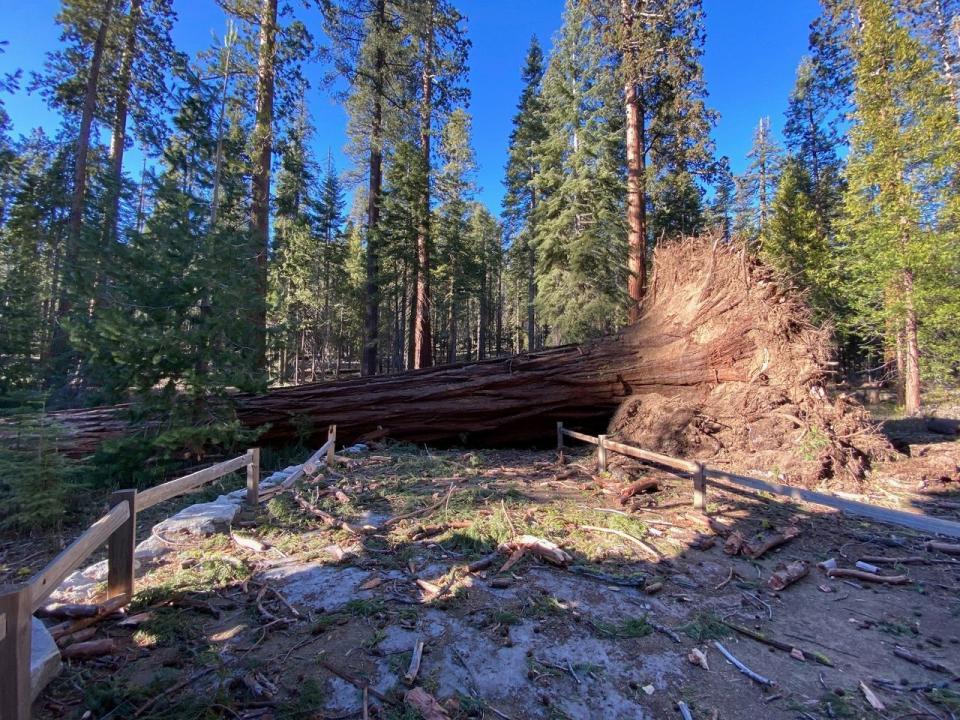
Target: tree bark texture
724, 361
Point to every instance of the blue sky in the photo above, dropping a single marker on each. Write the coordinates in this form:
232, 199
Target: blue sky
752, 51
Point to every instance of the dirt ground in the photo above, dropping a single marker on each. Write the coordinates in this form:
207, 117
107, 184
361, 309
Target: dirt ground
299, 629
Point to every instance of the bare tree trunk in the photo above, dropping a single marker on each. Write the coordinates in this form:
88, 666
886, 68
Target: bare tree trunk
912, 350
72, 250
263, 153
636, 235
422, 336
118, 136
371, 317
451, 322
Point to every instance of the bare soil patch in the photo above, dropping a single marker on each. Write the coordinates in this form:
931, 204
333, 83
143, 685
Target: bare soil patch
298, 629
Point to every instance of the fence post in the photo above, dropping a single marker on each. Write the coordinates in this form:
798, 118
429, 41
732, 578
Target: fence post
700, 488
602, 452
559, 436
253, 477
331, 449
15, 639
120, 548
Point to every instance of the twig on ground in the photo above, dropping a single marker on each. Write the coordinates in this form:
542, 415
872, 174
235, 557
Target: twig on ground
741, 667
646, 547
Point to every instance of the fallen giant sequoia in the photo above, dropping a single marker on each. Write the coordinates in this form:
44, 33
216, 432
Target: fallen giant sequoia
724, 361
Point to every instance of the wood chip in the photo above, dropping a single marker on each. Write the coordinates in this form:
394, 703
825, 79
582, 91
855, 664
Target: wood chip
425, 704
871, 697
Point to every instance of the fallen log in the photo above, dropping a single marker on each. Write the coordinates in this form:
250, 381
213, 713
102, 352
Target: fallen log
724, 359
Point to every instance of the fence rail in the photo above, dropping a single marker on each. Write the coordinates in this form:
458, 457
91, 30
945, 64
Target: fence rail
703, 476
117, 528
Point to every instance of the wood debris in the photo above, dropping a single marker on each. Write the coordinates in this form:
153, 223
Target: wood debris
425, 704
867, 576
411, 675
871, 697
787, 574
540, 547
758, 547
89, 649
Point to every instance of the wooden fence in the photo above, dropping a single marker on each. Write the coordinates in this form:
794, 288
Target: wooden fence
703, 477
118, 530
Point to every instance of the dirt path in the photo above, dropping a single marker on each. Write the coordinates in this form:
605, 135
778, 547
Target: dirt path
296, 630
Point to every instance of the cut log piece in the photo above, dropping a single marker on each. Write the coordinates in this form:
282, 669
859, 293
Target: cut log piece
724, 360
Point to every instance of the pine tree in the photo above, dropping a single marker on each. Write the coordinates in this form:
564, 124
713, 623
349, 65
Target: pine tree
456, 265
759, 182
657, 46
794, 241
437, 30
520, 199
812, 136
579, 223
720, 215
369, 54
901, 211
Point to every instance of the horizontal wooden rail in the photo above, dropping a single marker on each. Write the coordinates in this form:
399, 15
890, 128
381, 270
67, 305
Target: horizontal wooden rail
702, 476
916, 521
188, 483
649, 456
581, 436
67, 561
118, 528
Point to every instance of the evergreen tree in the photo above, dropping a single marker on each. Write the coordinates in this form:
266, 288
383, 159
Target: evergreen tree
720, 215
657, 46
812, 136
520, 199
579, 224
794, 241
901, 210
759, 182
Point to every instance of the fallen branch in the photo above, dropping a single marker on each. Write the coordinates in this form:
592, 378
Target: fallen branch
868, 577
947, 548
92, 648
357, 682
647, 548
415, 659
936, 666
741, 667
326, 517
106, 609
780, 645
640, 486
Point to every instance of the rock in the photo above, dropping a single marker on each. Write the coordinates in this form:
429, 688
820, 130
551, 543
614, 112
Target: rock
44, 658
202, 519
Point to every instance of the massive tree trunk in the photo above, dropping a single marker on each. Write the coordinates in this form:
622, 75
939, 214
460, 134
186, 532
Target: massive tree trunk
263, 153
371, 317
723, 362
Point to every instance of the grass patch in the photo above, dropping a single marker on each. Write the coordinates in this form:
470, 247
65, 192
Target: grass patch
705, 626
628, 628
307, 700
169, 627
